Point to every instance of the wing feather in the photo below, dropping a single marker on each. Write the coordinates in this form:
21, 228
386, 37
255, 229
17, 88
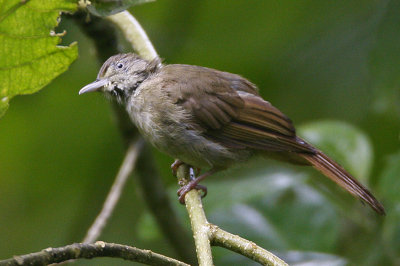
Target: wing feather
231, 112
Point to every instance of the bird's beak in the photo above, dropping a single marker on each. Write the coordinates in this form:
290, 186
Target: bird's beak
94, 86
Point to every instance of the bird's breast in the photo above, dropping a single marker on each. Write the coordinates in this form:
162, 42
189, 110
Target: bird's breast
166, 127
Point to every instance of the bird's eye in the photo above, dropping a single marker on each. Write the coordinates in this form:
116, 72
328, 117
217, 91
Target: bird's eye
120, 65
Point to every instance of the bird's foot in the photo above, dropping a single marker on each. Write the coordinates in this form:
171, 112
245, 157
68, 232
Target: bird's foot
188, 187
175, 166
194, 184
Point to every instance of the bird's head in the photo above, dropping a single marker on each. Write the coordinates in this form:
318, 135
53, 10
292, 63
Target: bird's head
121, 75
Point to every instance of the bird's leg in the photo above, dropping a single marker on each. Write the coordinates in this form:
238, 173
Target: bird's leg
194, 183
195, 171
175, 166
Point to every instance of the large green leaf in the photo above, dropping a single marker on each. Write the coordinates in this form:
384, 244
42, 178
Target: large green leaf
263, 208
29, 51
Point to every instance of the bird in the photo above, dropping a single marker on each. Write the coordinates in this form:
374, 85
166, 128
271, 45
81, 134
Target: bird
210, 119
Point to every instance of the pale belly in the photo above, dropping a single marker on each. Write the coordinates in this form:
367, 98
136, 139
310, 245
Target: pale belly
193, 149
173, 138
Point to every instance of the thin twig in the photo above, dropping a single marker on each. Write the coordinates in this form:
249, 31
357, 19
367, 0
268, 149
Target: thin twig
89, 251
243, 246
135, 34
159, 203
198, 221
115, 192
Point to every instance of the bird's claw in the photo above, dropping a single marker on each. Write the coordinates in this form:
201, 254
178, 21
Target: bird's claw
175, 166
188, 187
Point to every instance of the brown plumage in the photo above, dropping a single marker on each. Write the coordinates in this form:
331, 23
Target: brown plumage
211, 119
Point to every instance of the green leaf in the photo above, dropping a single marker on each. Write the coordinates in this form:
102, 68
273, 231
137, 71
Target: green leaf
264, 206
105, 8
29, 51
3, 106
344, 143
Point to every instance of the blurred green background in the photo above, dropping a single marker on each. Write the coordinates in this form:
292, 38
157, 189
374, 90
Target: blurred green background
331, 66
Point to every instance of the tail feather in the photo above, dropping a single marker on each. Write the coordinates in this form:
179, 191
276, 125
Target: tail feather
336, 173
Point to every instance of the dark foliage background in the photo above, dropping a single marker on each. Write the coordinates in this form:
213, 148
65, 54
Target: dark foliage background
332, 66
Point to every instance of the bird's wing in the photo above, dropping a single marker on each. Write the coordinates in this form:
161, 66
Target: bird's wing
229, 110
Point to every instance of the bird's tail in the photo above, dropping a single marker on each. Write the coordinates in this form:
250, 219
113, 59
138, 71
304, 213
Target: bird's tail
336, 173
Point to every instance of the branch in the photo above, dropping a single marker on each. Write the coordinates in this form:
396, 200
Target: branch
135, 34
198, 220
115, 192
89, 251
206, 234
243, 246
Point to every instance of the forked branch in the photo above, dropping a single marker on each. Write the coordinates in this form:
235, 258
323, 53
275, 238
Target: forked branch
206, 234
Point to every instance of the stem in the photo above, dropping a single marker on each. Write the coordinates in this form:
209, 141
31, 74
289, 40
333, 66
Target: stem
198, 221
243, 246
89, 251
115, 192
135, 34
